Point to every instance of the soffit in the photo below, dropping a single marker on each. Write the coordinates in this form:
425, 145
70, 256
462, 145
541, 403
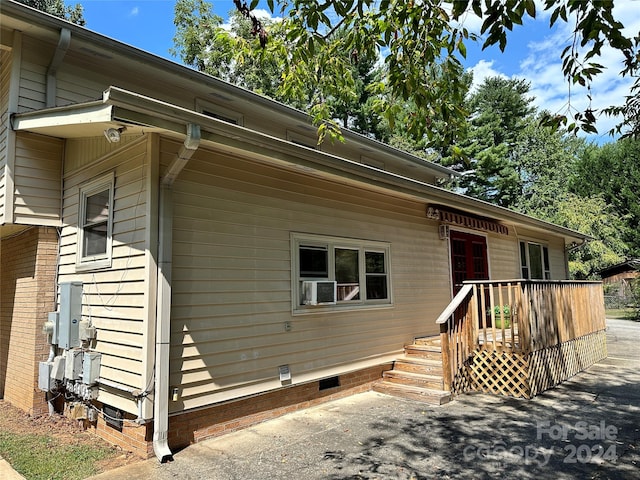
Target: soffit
142, 114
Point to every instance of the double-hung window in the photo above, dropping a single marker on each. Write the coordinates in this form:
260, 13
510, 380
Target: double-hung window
95, 223
534, 261
356, 271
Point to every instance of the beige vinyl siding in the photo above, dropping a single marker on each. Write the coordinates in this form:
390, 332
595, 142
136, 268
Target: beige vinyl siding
557, 259
77, 85
37, 179
73, 84
504, 259
116, 299
5, 77
33, 74
80, 152
2, 193
232, 277
95, 66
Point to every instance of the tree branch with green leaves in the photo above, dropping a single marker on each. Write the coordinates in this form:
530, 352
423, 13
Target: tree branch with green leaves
413, 35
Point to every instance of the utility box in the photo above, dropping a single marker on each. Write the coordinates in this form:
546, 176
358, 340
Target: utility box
57, 371
90, 367
73, 364
70, 315
50, 327
44, 376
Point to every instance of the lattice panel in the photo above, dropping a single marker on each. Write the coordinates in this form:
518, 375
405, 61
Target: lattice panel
500, 373
551, 366
462, 381
592, 348
525, 376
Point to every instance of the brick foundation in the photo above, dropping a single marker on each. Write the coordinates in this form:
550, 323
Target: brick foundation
133, 437
195, 426
27, 295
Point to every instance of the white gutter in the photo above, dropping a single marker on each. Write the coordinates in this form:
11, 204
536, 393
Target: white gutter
139, 111
163, 314
113, 47
56, 61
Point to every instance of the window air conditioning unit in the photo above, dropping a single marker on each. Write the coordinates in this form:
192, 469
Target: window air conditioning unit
319, 293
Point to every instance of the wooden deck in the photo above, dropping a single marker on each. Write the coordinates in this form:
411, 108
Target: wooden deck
521, 337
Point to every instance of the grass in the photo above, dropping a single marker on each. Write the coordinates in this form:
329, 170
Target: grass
43, 457
622, 313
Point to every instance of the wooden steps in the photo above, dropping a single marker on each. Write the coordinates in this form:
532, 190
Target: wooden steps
423, 351
418, 365
432, 397
418, 375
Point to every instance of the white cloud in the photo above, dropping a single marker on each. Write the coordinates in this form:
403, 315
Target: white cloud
260, 14
541, 65
134, 12
481, 70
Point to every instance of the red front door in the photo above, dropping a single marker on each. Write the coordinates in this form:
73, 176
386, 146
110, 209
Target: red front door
468, 258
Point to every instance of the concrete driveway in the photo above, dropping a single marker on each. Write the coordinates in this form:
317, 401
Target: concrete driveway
586, 428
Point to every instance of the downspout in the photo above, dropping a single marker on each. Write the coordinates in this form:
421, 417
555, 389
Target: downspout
163, 314
569, 250
56, 61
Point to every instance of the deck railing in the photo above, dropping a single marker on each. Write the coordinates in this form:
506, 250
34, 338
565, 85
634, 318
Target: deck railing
517, 316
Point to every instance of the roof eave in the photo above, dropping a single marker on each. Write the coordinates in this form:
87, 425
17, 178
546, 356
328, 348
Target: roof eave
121, 107
26, 13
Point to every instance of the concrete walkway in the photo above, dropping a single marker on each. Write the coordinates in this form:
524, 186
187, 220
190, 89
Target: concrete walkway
7, 472
588, 427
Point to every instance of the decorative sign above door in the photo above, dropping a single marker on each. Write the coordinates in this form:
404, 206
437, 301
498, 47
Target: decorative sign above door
464, 220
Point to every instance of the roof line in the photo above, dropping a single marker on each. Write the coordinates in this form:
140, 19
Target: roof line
26, 13
176, 118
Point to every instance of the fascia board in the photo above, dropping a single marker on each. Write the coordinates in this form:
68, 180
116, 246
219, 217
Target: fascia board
126, 107
81, 114
243, 139
37, 18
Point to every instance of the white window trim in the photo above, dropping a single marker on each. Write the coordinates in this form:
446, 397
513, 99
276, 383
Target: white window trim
94, 262
203, 106
543, 246
332, 243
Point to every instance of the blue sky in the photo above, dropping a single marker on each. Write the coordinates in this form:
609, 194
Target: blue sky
532, 53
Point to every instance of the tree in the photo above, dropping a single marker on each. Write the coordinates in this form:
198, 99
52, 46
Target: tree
58, 8
499, 111
413, 36
591, 216
202, 41
545, 159
613, 172
233, 54
354, 95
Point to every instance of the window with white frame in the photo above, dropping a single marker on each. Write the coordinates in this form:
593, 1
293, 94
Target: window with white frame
534, 261
338, 272
95, 223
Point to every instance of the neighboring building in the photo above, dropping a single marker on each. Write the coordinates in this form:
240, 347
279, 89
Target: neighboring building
617, 280
229, 269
